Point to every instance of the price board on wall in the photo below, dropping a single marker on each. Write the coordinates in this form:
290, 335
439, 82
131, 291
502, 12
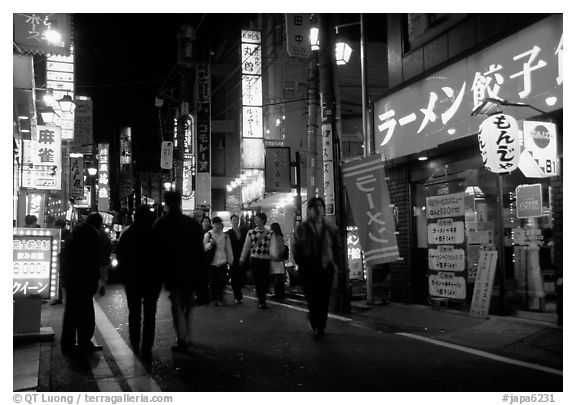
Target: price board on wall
445, 211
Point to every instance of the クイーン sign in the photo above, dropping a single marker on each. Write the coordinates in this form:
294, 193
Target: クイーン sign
529, 201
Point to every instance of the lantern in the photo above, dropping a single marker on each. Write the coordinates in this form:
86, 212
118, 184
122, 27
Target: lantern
499, 142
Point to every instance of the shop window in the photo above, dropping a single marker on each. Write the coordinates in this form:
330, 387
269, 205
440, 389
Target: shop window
528, 246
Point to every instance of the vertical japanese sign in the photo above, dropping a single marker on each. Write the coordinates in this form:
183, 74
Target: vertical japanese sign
277, 170
203, 131
368, 193
35, 262
328, 169
77, 176
45, 172
355, 257
126, 186
60, 79
298, 35
83, 120
103, 180
445, 212
253, 154
166, 154
480, 304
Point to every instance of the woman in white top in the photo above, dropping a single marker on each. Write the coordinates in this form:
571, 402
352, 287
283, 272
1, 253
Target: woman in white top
219, 250
277, 269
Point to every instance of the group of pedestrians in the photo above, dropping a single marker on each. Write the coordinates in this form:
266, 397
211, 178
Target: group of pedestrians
193, 260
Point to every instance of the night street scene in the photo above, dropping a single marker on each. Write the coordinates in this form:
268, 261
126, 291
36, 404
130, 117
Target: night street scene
259, 202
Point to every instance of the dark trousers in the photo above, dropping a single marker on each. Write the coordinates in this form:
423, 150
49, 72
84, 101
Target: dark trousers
260, 271
218, 280
141, 317
317, 287
237, 280
79, 321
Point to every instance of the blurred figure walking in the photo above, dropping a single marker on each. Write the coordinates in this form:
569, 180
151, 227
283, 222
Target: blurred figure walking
181, 259
317, 244
142, 281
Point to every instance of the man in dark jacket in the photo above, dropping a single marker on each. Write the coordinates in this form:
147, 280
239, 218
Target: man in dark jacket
83, 258
317, 246
142, 282
181, 259
237, 237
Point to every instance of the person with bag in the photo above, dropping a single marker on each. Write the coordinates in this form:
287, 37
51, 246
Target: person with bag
277, 254
219, 257
237, 236
317, 246
181, 260
257, 250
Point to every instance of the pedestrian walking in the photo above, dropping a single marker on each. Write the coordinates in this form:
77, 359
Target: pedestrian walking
237, 236
277, 268
180, 258
257, 249
317, 245
81, 271
219, 254
142, 282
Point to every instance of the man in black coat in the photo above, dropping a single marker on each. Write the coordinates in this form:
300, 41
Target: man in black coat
80, 274
181, 259
142, 281
237, 237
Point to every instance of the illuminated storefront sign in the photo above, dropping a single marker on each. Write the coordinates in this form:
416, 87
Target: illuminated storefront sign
203, 135
44, 171
125, 146
355, 257
103, 180
540, 155
60, 79
42, 33
525, 67
35, 264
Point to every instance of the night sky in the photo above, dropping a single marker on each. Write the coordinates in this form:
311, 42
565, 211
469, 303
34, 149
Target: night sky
122, 60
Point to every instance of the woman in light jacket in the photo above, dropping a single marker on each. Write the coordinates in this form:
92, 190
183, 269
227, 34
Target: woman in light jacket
277, 269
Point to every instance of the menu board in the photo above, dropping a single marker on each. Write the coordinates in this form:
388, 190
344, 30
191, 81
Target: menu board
445, 212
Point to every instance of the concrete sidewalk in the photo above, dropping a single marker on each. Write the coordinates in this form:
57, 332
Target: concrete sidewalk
527, 340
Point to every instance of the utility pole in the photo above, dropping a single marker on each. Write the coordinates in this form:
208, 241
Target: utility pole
313, 101
340, 297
